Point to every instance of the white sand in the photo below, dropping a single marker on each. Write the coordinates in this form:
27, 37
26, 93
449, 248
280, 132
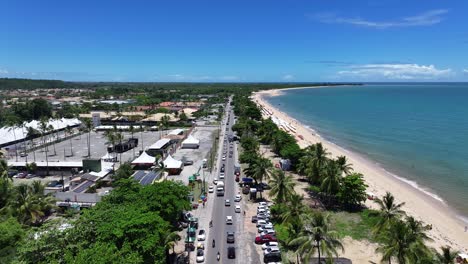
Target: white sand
447, 228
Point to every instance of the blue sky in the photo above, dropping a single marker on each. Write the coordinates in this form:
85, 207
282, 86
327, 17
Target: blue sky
329, 40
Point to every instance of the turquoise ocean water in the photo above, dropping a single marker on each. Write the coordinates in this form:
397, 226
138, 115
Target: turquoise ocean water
418, 132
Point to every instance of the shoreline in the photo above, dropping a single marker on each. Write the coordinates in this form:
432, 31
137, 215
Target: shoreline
448, 227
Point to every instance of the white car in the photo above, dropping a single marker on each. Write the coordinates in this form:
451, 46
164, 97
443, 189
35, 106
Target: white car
215, 181
268, 231
238, 198
224, 157
269, 244
200, 255
211, 189
269, 250
201, 235
237, 209
221, 175
229, 220
262, 228
265, 204
227, 202
261, 222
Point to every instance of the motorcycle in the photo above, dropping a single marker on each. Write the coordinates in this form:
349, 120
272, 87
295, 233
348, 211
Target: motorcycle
218, 256
213, 243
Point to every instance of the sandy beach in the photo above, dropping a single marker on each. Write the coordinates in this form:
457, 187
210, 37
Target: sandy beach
447, 229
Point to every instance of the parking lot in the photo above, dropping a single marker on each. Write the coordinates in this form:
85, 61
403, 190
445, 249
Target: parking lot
62, 150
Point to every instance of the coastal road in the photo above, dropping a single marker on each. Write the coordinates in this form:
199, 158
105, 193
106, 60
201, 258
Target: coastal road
220, 211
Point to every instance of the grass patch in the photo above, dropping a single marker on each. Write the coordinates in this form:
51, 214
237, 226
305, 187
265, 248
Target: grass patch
197, 190
355, 225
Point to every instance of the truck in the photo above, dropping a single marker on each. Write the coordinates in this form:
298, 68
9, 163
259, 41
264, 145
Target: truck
220, 188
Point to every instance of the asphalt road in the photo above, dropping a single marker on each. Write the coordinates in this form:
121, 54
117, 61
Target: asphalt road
220, 211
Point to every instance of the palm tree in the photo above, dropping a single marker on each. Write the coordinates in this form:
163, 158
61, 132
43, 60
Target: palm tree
402, 243
11, 123
159, 166
447, 256
259, 170
69, 132
132, 130
388, 211
282, 186
50, 128
44, 128
88, 126
141, 136
170, 241
317, 236
31, 134
296, 208
165, 121
331, 180
6, 184
343, 165
319, 160
118, 138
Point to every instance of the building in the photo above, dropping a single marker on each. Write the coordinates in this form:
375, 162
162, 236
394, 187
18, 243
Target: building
190, 143
161, 147
173, 166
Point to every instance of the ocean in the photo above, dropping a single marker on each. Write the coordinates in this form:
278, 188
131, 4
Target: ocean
416, 131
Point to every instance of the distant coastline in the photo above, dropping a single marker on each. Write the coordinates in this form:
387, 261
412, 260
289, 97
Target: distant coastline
448, 228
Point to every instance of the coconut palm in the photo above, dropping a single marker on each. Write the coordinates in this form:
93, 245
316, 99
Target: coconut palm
259, 170
50, 128
159, 166
11, 123
69, 133
131, 129
282, 186
389, 211
402, 243
165, 122
44, 129
296, 208
447, 256
31, 133
118, 138
88, 126
170, 241
317, 237
6, 184
141, 136
331, 179
343, 165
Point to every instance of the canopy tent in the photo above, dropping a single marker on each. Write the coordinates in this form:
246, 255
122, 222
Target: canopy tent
190, 142
172, 163
144, 159
177, 131
108, 157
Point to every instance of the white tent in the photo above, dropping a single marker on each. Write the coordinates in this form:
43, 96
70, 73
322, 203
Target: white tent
190, 142
143, 159
108, 157
176, 132
172, 163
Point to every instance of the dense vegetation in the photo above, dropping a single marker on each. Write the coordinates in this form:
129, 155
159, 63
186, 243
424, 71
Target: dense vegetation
308, 232
133, 224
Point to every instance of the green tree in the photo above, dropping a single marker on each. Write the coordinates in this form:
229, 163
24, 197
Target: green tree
44, 130
389, 211
11, 234
331, 180
125, 171
317, 236
282, 186
165, 122
353, 190
343, 165
295, 208
259, 170
170, 241
160, 167
447, 256
31, 167
88, 127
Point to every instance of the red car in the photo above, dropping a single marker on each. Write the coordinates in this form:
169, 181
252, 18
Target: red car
265, 238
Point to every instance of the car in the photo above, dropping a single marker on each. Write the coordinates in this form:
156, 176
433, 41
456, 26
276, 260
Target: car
215, 181
269, 244
230, 237
264, 239
272, 258
211, 189
201, 235
230, 155
237, 209
262, 228
200, 255
23, 154
261, 207
221, 175
224, 157
254, 219
222, 168
231, 252
188, 162
261, 222
229, 220
30, 176
227, 202
274, 249
268, 232
238, 198
265, 204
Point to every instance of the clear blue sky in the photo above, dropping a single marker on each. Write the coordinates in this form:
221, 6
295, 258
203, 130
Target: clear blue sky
98, 40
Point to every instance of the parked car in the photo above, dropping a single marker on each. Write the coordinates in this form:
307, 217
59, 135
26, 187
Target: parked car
224, 157
266, 238
269, 244
201, 235
268, 232
200, 255
265, 227
261, 222
188, 162
221, 175
270, 250
237, 209
265, 204
230, 237
238, 198
231, 252
227, 202
229, 220
254, 219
